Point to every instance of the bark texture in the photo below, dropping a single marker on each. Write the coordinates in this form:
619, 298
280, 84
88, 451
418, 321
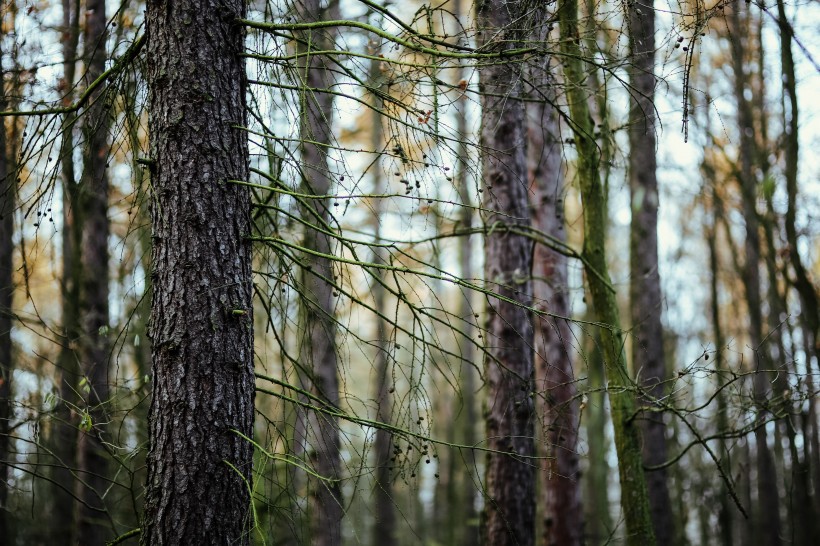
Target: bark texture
199, 466
318, 355
555, 379
646, 299
634, 496
769, 530
92, 457
509, 507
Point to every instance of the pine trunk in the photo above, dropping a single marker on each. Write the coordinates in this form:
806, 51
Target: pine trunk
199, 463
63, 432
93, 525
555, 380
646, 298
509, 506
318, 352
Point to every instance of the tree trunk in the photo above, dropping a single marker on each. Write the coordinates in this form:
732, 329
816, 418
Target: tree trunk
92, 458
806, 289
598, 526
318, 351
384, 528
769, 520
725, 514
555, 380
646, 298
634, 496
63, 432
199, 463
509, 507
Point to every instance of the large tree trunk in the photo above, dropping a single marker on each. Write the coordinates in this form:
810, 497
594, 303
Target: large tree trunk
646, 299
318, 351
509, 508
555, 380
634, 496
769, 509
92, 458
199, 463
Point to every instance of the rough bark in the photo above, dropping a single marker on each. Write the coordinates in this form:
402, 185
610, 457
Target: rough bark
62, 438
555, 381
768, 498
646, 298
92, 458
199, 465
509, 507
634, 496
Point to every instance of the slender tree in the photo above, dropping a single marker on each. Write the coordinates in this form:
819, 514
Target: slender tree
768, 496
559, 405
384, 528
509, 506
62, 440
201, 416
92, 458
318, 350
634, 496
646, 298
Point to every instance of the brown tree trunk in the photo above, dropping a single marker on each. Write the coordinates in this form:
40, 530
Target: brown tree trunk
199, 463
646, 298
554, 375
509, 506
92, 458
63, 432
769, 501
318, 351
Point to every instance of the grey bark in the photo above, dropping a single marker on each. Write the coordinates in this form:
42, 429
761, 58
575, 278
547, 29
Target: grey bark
555, 379
199, 465
646, 299
318, 353
509, 513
